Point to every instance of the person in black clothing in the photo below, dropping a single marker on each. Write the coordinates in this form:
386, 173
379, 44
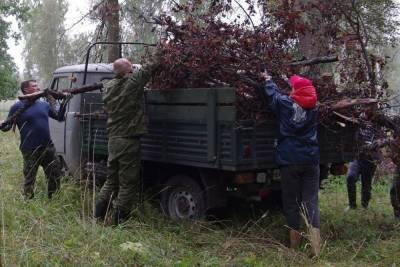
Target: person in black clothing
364, 166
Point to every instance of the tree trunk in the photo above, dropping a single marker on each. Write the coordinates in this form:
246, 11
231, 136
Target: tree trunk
313, 43
112, 22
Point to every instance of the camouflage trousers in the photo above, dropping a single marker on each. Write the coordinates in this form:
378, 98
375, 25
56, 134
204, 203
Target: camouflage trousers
45, 157
395, 193
123, 169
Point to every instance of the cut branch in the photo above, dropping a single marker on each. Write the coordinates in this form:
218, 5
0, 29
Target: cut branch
314, 61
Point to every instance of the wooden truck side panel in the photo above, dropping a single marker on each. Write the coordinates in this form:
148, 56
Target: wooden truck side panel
198, 127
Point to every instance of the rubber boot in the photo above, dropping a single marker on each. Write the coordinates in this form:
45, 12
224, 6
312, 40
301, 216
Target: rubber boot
365, 197
100, 210
120, 216
351, 192
29, 194
295, 239
315, 239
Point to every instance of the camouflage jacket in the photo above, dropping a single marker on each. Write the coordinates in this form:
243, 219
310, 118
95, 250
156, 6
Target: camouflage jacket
124, 103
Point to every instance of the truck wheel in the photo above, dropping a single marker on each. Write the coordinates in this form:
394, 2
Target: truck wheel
183, 199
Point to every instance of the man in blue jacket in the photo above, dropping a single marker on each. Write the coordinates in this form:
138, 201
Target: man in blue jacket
36, 145
297, 154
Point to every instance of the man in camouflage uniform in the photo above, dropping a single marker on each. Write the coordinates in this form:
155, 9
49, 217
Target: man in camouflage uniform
32, 119
124, 103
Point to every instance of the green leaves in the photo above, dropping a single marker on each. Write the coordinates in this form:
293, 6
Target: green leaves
8, 71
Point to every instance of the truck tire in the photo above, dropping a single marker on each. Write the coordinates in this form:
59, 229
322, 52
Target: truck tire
183, 199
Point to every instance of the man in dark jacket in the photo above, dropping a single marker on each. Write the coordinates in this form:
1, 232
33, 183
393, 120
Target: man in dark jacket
126, 123
297, 154
369, 142
36, 145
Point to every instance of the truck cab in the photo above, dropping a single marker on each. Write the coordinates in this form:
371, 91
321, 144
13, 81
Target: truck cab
66, 135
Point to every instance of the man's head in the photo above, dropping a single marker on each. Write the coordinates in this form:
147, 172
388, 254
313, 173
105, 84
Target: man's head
122, 66
29, 87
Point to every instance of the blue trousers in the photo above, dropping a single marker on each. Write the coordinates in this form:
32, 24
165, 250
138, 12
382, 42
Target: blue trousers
365, 170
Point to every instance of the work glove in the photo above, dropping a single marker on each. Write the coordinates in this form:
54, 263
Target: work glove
265, 76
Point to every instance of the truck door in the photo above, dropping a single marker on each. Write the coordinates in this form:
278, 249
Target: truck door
57, 129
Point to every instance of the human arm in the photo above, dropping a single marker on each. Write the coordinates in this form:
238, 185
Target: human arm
374, 145
15, 111
371, 138
59, 114
5, 126
271, 92
146, 72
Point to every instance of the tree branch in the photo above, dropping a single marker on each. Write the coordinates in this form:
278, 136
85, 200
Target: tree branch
314, 61
247, 14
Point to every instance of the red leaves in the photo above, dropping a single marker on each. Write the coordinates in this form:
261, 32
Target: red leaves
206, 51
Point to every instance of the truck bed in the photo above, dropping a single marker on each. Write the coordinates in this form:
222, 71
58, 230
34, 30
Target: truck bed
198, 127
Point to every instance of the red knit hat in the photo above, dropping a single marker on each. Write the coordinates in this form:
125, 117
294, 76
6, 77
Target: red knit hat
303, 92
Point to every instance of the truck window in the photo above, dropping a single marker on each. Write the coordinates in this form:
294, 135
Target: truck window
60, 83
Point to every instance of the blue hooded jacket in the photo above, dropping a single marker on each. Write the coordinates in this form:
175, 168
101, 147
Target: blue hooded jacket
297, 143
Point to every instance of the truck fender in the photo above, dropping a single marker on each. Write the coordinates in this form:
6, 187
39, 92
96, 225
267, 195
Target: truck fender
213, 185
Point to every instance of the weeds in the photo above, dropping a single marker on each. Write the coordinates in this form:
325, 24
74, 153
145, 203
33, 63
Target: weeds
60, 232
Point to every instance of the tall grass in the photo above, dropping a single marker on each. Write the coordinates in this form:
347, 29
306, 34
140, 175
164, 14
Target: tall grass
60, 233
5, 107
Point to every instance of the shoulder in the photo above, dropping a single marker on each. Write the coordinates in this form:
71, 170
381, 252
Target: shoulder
116, 82
286, 100
16, 106
109, 82
42, 103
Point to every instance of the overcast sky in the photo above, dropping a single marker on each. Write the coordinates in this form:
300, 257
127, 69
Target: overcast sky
76, 10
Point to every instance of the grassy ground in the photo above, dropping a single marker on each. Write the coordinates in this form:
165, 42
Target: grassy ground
59, 232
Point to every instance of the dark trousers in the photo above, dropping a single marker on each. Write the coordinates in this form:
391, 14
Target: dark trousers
395, 194
45, 157
300, 184
366, 170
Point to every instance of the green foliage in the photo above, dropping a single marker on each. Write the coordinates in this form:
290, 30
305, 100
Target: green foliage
379, 21
8, 80
8, 71
44, 42
48, 45
60, 233
73, 49
138, 25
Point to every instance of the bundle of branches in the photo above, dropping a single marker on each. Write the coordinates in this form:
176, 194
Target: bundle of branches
212, 48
